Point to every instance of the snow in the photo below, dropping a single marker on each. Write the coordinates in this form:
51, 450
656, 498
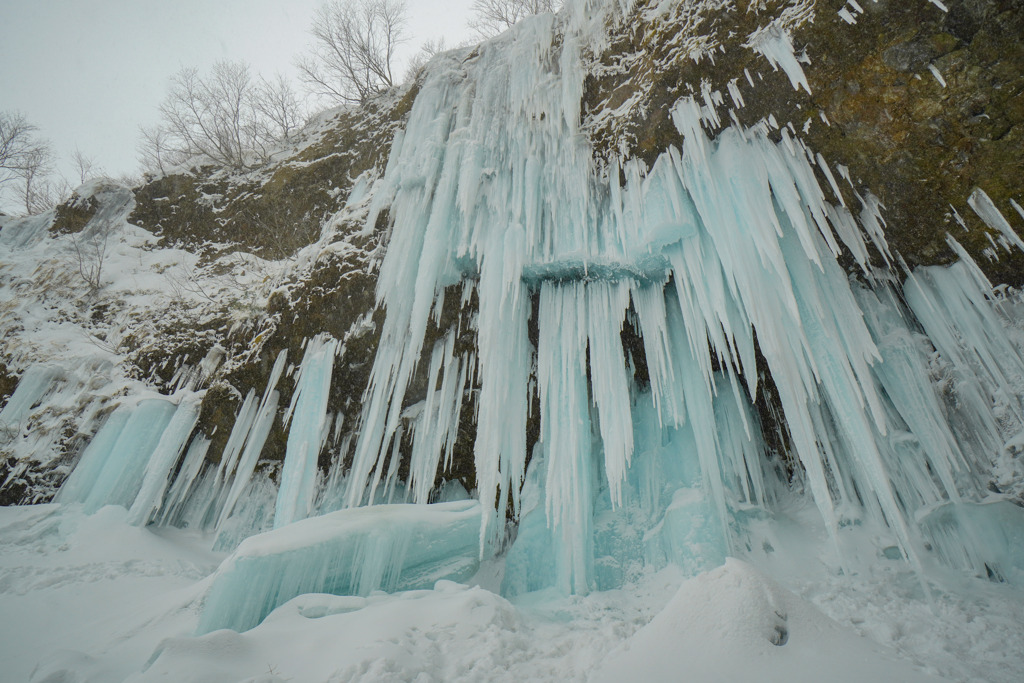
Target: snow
736, 609
95, 600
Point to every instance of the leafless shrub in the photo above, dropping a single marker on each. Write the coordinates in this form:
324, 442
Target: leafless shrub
279, 107
428, 49
85, 166
27, 166
227, 116
90, 257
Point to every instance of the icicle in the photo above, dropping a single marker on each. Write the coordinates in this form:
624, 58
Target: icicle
32, 388
565, 423
256, 438
439, 418
305, 436
606, 304
185, 482
777, 48
112, 469
239, 431
160, 465
993, 217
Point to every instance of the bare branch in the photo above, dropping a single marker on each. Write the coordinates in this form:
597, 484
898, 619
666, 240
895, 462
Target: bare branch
85, 166
279, 106
428, 49
355, 48
491, 17
90, 256
227, 116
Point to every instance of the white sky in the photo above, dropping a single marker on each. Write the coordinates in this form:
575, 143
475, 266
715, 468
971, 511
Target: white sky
88, 73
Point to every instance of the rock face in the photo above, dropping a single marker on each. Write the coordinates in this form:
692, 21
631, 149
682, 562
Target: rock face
909, 106
921, 105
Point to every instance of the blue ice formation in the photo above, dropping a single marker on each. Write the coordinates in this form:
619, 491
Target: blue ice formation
722, 256
308, 432
348, 552
130, 460
893, 392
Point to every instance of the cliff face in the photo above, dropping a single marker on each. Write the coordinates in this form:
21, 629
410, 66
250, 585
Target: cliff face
908, 106
921, 104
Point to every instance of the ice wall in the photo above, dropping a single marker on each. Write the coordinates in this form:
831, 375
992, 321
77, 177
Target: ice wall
349, 552
31, 389
131, 459
307, 433
722, 256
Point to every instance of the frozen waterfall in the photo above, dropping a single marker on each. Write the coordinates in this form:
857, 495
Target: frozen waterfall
761, 368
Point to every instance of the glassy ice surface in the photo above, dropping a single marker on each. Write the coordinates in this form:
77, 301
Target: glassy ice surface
134, 452
349, 552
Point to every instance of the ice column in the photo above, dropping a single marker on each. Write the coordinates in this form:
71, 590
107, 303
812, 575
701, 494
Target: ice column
565, 423
113, 467
306, 436
161, 463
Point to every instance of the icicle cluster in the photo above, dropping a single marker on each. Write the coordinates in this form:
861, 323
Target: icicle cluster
722, 251
721, 258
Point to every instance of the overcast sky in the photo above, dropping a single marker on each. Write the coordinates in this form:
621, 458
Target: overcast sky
88, 73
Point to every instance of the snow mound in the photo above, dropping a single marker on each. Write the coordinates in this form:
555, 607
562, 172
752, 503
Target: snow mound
451, 633
733, 623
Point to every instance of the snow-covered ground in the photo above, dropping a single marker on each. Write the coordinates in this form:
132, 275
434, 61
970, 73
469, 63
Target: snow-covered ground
92, 598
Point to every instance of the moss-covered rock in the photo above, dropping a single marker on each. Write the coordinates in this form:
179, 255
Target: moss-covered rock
276, 210
73, 215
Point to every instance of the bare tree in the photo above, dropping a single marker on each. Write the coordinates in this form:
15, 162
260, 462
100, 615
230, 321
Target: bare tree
428, 49
208, 116
279, 107
25, 162
39, 190
354, 54
90, 256
17, 139
491, 17
155, 149
85, 166
227, 116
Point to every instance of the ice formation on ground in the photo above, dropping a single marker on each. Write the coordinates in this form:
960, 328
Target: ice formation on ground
348, 552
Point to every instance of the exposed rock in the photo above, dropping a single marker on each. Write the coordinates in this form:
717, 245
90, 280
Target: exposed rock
875, 105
